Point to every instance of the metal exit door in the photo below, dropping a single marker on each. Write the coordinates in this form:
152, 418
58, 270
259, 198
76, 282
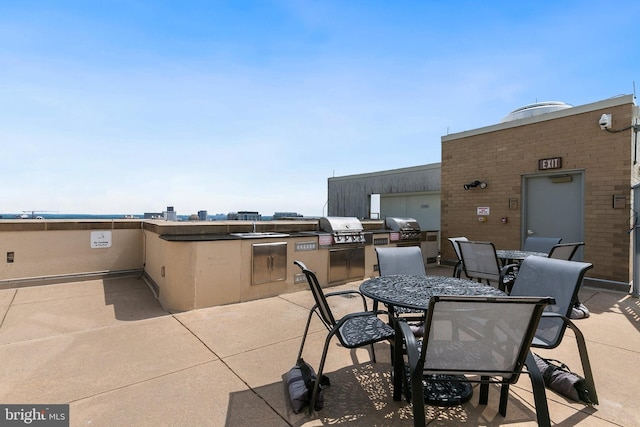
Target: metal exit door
553, 206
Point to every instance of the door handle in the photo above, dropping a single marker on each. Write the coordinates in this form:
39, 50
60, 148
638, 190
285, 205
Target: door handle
530, 232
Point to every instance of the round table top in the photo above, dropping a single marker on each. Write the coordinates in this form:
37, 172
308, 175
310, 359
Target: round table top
414, 291
515, 254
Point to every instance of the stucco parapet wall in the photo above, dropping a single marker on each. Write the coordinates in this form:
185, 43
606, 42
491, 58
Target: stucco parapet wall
67, 225
607, 103
163, 227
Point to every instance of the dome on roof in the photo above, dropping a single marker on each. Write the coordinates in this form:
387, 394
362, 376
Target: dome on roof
535, 110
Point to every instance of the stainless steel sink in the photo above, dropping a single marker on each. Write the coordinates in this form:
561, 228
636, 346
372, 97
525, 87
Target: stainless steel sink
258, 235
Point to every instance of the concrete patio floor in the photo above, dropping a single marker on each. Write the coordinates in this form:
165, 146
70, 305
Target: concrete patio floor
109, 350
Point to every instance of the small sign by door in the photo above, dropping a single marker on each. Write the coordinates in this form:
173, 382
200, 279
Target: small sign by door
483, 211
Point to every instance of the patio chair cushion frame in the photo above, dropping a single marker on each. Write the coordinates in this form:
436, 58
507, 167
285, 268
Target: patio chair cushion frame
504, 317
400, 260
480, 262
540, 244
561, 280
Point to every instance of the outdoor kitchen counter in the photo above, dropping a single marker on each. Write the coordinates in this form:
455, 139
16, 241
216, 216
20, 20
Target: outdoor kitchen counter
200, 264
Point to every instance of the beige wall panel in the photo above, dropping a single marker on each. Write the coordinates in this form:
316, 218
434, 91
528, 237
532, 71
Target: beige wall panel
52, 253
219, 275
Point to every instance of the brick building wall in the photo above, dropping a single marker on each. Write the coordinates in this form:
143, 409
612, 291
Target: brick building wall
502, 154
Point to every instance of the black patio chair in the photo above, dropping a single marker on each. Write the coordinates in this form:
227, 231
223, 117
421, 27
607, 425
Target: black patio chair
480, 262
353, 330
561, 280
471, 339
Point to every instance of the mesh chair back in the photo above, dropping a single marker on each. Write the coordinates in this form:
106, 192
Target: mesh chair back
540, 244
480, 335
560, 279
456, 248
565, 251
400, 260
318, 295
479, 260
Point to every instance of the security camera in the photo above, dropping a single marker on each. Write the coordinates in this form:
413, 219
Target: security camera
605, 121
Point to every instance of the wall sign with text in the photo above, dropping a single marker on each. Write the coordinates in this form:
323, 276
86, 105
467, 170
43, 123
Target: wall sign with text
551, 163
100, 239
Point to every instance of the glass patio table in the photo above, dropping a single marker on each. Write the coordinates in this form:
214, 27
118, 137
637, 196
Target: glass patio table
414, 292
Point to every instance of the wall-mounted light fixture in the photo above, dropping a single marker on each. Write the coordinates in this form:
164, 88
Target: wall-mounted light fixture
474, 184
605, 121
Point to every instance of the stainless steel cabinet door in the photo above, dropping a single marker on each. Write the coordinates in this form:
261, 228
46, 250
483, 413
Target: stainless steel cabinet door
346, 264
269, 262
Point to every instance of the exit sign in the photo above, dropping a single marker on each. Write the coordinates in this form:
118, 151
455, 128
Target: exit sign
552, 163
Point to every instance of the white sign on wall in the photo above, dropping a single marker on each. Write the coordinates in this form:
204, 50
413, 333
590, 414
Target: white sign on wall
100, 239
482, 211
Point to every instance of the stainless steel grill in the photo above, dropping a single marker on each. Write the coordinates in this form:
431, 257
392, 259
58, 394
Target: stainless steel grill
343, 230
408, 229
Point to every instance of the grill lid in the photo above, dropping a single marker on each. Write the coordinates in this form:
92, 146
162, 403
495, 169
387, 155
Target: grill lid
338, 224
402, 224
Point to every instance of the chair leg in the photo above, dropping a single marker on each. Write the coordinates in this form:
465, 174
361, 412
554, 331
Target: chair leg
398, 367
417, 398
316, 386
504, 399
304, 336
539, 393
586, 365
484, 390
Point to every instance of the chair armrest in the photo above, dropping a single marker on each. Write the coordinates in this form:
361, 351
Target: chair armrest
405, 335
509, 267
405, 339
358, 314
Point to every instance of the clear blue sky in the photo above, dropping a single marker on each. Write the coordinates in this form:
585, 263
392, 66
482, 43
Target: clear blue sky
130, 106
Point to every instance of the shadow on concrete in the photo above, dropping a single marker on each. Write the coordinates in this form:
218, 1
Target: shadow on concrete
363, 395
131, 299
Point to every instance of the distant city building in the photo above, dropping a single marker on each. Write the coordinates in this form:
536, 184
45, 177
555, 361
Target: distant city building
153, 215
170, 214
245, 216
280, 215
202, 215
